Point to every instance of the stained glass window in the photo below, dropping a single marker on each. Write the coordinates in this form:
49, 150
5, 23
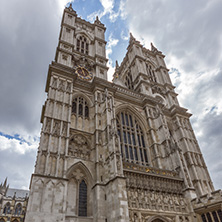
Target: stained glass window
203, 218
209, 217
220, 214
83, 199
18, 209
215, 216
7, 209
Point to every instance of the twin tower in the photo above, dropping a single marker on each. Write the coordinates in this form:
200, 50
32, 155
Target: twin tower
115, 151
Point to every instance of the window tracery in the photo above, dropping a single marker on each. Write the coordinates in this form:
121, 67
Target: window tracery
82, 45
129, 81
7, 208
80, 107
83, 199
18, 209
132, 141
151, 73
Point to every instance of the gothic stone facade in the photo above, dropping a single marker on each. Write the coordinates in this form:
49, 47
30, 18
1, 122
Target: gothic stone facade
13, 203
113, 151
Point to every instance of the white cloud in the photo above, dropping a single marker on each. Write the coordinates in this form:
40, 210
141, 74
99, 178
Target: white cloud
19, 145
122, 11
108, 9
123, 36
107, 5
93, 15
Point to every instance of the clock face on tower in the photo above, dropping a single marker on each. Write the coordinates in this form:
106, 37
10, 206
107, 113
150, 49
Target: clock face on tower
83, 73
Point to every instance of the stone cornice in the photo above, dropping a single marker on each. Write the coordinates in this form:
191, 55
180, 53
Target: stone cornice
68, 26
100, 40
151, 171
174, 110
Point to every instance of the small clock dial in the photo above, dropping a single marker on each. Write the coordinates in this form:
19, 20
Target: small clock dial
83, 73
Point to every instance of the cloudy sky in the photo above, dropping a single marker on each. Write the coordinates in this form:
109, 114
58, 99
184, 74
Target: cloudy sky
189, 33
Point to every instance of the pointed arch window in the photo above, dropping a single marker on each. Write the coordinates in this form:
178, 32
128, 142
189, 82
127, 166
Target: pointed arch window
7, 209
151, 73
80, 107
82, 199
82, 45
129, 81
132, 141
18, 209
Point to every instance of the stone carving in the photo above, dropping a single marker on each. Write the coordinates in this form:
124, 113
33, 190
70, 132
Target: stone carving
64, 129
68, 87
47, 128
185, 170
79, 147
152, 183
118, 163
56, 128
152, 200
54, 82
78, 174
159, 90
62, 85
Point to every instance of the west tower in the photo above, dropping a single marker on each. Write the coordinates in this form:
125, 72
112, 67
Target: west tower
121, 151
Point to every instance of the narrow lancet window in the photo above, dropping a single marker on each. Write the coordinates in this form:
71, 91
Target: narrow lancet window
83, 199
80, 107
18, 209
82, 45
129, 81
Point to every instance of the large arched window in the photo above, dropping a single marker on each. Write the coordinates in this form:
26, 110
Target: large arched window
133, 147
80, 107
82, 45
7, 208
18, 209
129, 81
151, 73
83, 199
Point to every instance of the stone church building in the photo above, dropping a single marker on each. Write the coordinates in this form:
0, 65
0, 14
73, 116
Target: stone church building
13, 203
116, 151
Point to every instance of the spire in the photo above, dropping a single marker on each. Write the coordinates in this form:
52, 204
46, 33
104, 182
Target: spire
154, 49
14, 196
117, 65
97, 21
116, 73
70, 8
132, 39
5, 182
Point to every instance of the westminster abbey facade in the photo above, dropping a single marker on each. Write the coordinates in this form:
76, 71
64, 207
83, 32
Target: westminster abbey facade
121, 151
